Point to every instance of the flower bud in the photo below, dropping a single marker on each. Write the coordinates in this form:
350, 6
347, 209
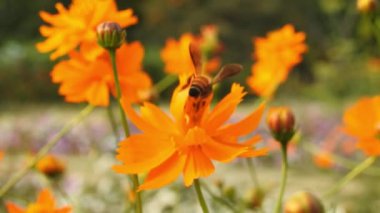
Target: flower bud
50, 166
281, 123
303, 202
254, 198
229, 192
110, 35
366, 6
209, 39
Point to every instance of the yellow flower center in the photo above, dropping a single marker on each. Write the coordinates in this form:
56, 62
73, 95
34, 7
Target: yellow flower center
194, 136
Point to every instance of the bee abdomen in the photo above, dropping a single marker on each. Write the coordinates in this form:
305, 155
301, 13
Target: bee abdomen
200, 87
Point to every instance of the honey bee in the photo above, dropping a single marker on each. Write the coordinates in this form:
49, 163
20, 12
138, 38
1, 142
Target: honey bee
200, 91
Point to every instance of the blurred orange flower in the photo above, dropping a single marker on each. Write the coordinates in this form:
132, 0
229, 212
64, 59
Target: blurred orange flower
362, 120
45, 204
92, 80
188, 143
323, 159
77, 26
50, 166
177, 58
275, 56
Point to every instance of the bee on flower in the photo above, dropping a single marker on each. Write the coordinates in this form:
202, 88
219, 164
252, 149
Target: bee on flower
196, 135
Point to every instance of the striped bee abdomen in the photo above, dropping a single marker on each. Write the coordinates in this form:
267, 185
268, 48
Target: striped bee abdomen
200, 87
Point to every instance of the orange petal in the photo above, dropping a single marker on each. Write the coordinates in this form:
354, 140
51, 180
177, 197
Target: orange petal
165, 173
140, 123
98, 94
158, 119
13, 208
63, 210
360, 119
255, 153
197, 165
246, 125
125, 18
252, 141
222, 152
178, 101
224, 109
46, 197
50, 43
140, 153
370, 147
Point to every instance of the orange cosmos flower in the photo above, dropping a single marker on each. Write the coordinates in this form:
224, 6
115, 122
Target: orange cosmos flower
45, 204
77, 26
92, 80
189, 142
275, 56
362, 120
176, 55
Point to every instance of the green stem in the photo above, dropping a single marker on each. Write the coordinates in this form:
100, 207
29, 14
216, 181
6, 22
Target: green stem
252, 172
284, 171
201, 199
63, 193
219, 199
135, 179
112, 120
45, 149
118, 92
351, 175
164, 83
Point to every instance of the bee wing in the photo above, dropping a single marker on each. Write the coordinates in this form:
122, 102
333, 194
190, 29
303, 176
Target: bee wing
196, 57
227, 71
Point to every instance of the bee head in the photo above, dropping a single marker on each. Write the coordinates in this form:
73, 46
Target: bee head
194, 91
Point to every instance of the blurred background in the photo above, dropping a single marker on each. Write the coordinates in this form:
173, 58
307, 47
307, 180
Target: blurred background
342, 61
341, 65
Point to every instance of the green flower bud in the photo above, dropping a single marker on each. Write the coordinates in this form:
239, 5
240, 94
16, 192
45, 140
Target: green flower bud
110, 35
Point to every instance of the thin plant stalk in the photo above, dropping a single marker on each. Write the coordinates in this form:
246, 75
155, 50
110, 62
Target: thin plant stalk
201, 199
351, 175
252, 172
164, 83
219, 199
45, 149
284, 174
135, 179
111, 117
118, 92
63, 193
